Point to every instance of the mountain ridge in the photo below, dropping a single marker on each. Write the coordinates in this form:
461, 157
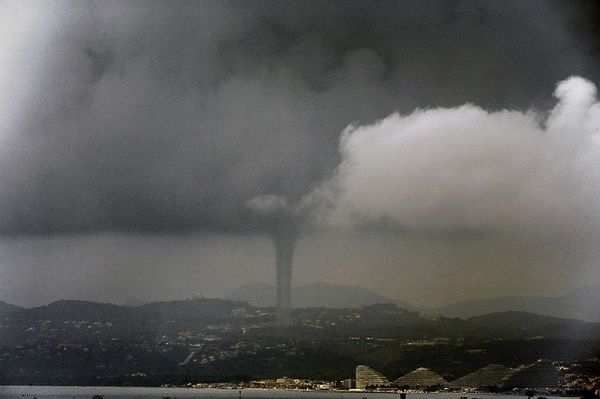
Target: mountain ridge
313, 295
581, 303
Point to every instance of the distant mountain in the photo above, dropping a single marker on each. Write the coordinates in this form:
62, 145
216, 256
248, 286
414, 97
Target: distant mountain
314, 295
6, 308
518, 320
525, 324
582, 303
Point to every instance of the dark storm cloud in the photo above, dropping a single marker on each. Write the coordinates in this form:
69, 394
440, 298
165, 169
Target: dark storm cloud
156, 116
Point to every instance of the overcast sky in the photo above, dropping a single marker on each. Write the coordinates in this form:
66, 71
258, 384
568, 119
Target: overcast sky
433, 151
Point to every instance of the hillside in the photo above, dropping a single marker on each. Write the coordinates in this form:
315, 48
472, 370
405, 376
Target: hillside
78, 342
194, 309
385, 320
6, 308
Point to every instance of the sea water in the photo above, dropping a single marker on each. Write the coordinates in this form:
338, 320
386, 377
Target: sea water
43, 392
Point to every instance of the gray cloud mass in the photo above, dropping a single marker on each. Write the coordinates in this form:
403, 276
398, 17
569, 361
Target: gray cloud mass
160, 116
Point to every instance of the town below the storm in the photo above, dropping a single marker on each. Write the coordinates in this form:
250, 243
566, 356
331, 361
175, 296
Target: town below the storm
218, 343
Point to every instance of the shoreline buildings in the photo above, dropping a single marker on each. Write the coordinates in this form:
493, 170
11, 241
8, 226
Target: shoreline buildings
491, 376
421, 378
541, 374
368, 377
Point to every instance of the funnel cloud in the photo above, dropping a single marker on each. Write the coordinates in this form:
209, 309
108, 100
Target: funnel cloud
284, 224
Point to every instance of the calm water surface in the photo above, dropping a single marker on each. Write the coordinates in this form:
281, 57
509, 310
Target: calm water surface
28, 392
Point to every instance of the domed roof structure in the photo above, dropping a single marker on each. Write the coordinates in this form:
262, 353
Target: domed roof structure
366, 376
489, 376
420, 378
541, 374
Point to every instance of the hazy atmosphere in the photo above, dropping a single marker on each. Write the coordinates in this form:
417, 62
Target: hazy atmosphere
430, 151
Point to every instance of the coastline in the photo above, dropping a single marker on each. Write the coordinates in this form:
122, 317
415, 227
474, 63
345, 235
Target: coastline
75, 392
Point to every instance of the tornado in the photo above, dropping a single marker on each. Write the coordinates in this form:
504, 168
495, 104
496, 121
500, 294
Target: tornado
282, 222
284, 238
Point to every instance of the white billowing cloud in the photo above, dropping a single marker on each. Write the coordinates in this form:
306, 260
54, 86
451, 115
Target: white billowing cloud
464, 168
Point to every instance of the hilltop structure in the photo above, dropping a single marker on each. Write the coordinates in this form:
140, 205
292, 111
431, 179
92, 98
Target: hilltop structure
421, 378
368, 377
487, 377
